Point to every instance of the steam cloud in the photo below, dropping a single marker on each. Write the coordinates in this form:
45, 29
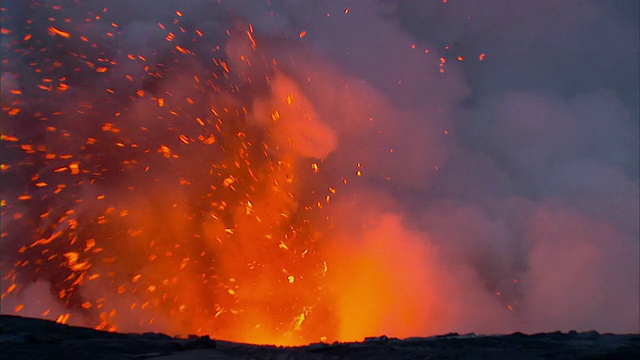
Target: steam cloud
497, 144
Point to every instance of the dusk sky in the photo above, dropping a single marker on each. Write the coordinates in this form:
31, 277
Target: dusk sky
295, 171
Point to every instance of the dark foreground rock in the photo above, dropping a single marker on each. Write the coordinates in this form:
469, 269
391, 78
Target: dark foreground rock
26, 338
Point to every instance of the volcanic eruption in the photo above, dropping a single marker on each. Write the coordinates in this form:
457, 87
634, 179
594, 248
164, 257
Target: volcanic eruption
293, 172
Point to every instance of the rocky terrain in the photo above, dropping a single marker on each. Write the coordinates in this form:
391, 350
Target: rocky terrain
28, 338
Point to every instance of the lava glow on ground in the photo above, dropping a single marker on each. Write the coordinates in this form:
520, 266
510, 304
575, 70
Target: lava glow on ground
165, 173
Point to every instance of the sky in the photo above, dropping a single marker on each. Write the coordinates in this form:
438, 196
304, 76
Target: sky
328, 169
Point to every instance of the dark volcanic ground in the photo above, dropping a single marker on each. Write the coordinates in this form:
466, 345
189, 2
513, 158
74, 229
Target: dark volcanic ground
26, 338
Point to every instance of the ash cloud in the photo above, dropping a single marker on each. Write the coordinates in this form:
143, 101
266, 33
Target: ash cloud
497, 142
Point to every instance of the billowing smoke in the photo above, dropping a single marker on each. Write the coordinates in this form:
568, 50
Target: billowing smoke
290, 171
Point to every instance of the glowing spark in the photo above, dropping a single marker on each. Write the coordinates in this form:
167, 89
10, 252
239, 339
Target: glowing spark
182, 50
62, 319
253, 41
72, 262
56, 31
228, 181
8, 138
74, 167
299, 320
210, 140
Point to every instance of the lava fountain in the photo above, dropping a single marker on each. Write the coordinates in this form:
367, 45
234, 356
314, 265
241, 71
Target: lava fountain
185, 194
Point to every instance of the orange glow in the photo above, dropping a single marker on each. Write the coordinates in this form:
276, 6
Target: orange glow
380, 283
217, 228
